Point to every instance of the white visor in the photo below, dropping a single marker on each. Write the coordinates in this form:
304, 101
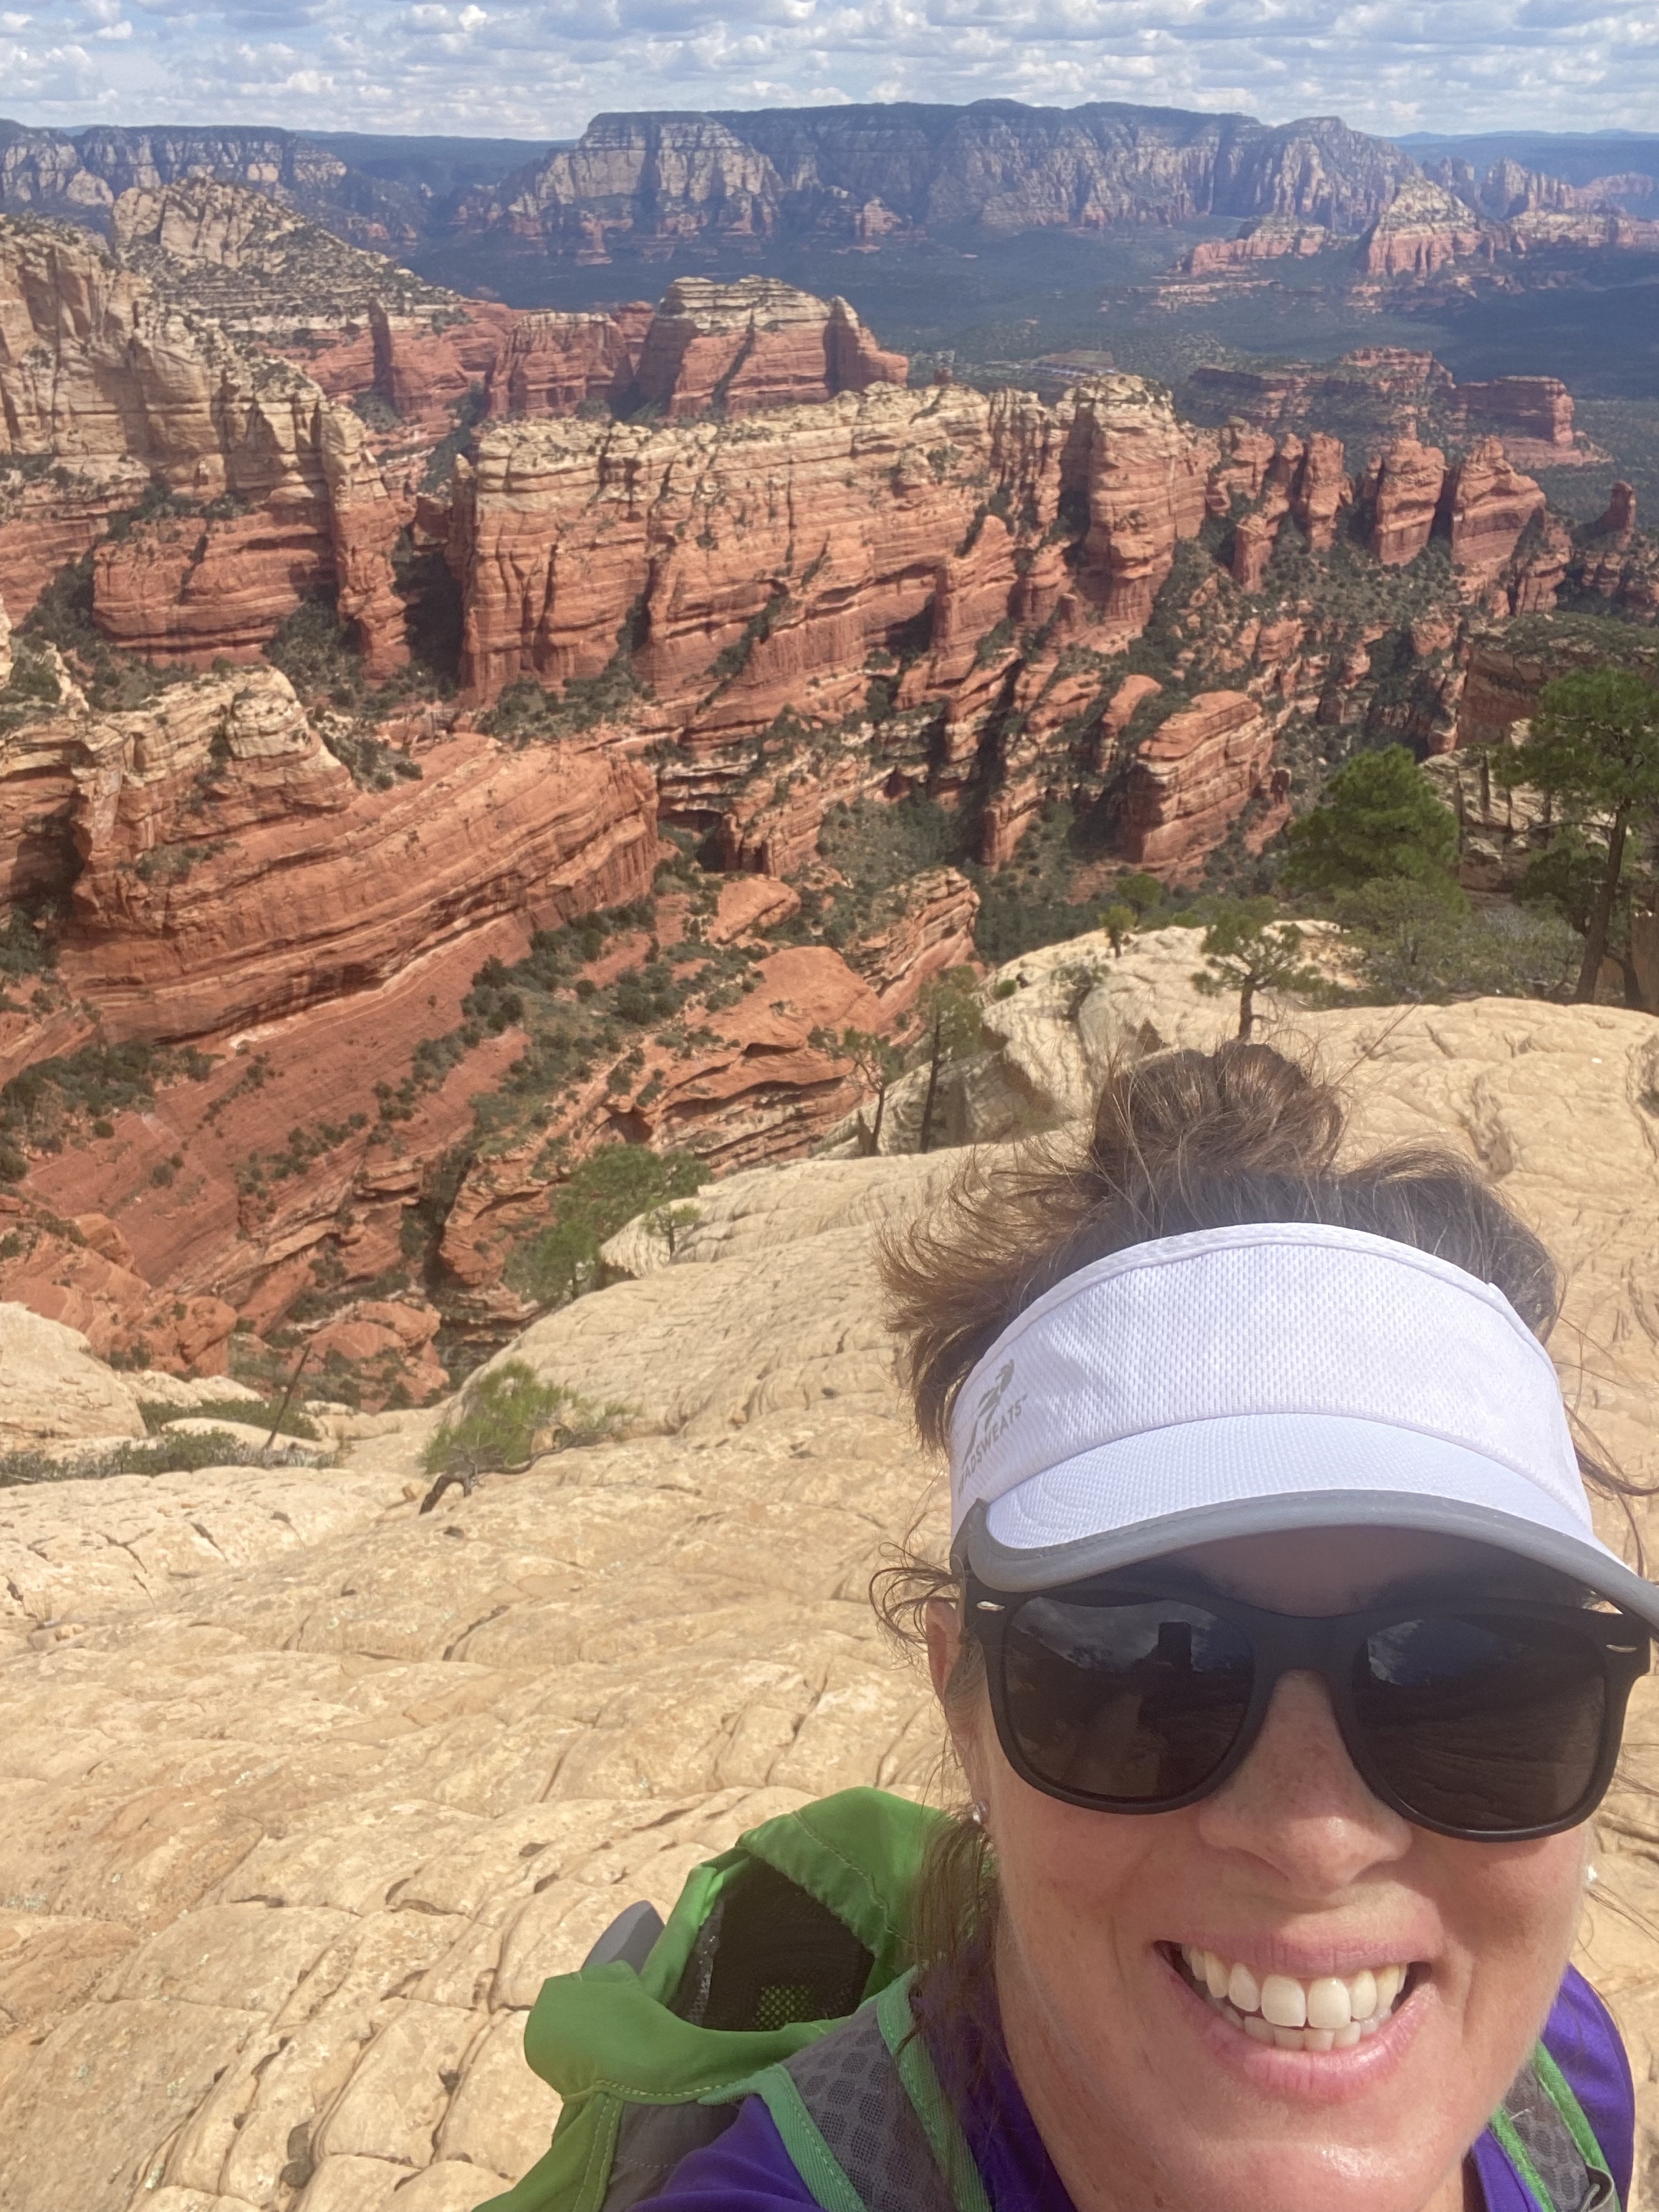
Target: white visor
1252, 1380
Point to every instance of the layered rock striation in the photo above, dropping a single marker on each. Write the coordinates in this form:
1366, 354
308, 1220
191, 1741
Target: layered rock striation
753, 344
230, 872
1192, 779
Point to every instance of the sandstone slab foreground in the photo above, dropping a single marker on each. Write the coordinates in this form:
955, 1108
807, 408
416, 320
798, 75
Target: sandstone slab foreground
303, 1794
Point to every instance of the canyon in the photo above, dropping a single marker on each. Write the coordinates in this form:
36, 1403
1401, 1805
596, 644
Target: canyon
519, 828
779, 688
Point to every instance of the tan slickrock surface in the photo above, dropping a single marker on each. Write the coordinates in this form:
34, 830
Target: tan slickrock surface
295, 1814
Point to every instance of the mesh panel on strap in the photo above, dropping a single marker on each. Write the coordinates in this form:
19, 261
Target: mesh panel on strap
1572, 2185
851, 2087
769, 1954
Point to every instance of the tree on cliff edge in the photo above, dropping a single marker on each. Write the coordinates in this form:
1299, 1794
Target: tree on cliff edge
1380, 819
1594, 746
1247, 951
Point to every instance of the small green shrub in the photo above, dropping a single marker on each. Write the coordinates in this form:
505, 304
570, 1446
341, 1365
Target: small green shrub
506, 1417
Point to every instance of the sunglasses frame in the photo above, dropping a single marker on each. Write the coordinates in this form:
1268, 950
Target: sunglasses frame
1324, 1644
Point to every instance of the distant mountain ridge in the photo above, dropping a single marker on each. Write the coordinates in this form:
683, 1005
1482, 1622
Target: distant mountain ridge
864, 171
648, 183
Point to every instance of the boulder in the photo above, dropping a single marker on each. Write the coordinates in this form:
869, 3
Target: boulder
51, 1385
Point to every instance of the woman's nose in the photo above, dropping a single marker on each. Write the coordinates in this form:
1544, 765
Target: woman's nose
1298, 1805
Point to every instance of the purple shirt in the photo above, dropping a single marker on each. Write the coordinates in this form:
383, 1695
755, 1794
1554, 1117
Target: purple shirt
749, 2170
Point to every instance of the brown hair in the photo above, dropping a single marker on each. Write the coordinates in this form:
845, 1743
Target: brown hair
1184, 1141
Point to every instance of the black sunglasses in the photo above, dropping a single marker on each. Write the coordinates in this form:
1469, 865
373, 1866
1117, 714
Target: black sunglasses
1490, 1719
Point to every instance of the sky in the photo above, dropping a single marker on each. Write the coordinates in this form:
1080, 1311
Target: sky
491, 68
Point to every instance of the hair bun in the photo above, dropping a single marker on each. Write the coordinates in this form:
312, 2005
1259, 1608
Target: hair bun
1181, 1119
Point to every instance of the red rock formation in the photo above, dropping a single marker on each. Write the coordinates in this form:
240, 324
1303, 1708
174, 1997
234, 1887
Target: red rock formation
1491, 505
552, 363
1320, 491
915, 932
1402, 490
1192, 778
764, 564
1120, 712
1422, 230
208, 897
754, 344
426, 363
748, 904
389, 1343
1617, 523
1144, 477
1273, 237
1535, 408
764, 1086
1304, 481
97, 373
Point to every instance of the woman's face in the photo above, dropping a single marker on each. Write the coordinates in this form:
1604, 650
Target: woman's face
1145, 2095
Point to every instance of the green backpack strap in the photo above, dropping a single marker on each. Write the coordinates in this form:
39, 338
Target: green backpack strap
865, 2121
1543, 2130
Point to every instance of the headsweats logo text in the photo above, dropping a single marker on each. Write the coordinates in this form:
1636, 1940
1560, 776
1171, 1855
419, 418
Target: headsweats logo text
993, 1419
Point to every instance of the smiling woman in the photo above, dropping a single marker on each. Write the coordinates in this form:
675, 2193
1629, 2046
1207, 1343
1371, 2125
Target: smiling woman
1284, 1671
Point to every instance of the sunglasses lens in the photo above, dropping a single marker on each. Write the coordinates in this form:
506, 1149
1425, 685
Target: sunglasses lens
1130, 1703
1483, 1723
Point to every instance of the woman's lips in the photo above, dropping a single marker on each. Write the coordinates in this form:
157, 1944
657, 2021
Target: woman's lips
1297, 2015
1331, 2012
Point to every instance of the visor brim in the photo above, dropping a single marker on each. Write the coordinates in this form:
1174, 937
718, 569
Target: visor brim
1140, 1497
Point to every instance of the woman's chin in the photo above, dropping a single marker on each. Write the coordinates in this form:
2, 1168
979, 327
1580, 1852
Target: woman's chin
1302, 2130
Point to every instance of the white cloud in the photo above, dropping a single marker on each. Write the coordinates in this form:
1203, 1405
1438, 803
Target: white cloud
540, 68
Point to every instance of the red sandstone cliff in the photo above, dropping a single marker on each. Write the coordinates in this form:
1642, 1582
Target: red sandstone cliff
1402, 489
210, 896
753, 344
124, 393
553, 364
1490, 504
1192, 777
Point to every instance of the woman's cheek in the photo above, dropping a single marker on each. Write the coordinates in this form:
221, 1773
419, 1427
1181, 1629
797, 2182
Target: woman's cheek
1512, 1912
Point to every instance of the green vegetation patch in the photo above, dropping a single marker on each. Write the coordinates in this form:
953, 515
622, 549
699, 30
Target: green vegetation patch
598, 1197
252, 1412
507, 1417
39, 1105
172, 1453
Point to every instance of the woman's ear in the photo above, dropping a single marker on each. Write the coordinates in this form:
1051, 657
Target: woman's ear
945, 1635
944, 1642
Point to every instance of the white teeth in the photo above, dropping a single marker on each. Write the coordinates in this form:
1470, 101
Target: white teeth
1284, 2002
1331, 2012
1328, 2003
